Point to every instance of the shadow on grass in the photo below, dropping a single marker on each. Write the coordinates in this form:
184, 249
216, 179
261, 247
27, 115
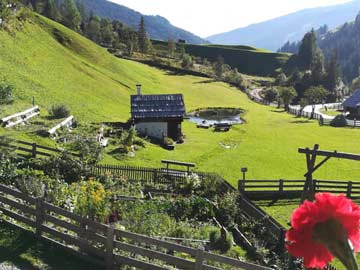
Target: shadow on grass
205, 81
278, 202
278, 111
22, 250
177, 73
301, 121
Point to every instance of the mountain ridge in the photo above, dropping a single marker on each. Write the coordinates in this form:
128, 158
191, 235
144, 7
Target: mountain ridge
157, 26
272, 34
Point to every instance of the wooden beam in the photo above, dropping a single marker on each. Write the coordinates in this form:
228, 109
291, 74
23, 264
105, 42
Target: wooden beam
318, 166
334, 154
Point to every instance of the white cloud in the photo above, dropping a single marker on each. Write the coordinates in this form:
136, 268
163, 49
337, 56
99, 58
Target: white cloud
207, 17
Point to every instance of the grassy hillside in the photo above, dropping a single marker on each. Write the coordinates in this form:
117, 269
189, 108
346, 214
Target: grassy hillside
246, 59
55, 65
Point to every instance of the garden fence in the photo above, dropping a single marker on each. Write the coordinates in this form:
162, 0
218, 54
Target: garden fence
106, 245
155, 176
33, 150
276, 189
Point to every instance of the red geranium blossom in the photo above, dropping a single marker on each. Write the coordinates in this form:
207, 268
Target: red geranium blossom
326, 207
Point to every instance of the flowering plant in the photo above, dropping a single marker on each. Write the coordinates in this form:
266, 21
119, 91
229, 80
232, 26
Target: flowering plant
324, 229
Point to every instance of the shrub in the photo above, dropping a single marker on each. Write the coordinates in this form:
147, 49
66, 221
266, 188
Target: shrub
8, 164
228, 209
90, 153
59, 111
168, 141
91, 200
187, 61
146, 217
31, 182
65, 166
338, 121
6, 93
220, 240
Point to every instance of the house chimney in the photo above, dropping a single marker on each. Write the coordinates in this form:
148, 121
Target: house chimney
138, 88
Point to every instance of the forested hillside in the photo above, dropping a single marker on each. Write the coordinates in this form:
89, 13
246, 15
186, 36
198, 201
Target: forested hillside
158, 27
344, 42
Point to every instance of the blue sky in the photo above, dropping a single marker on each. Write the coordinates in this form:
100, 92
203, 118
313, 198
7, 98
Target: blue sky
208, 17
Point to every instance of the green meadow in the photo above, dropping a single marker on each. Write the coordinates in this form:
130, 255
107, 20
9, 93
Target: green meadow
52, 64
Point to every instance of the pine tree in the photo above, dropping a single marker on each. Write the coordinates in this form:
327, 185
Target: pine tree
317, 67
333, 74
92, 30
51, 11
70, 14
307, 51
142, 36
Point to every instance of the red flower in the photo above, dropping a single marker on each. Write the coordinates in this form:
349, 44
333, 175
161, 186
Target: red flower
311, 221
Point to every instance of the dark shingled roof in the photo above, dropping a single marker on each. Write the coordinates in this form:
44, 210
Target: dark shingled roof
157, 106
353, 101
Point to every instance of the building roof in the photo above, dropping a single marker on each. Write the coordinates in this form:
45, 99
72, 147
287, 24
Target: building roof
157, 106
353, 101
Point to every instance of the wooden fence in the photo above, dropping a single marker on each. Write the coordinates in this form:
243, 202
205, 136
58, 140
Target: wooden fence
277, 189
256, 213
162, 176
106, 245
33, 150
295, 110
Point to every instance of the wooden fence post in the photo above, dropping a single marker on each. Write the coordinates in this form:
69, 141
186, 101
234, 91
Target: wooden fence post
39, 216
155, 176
314, 187
241, 186
199, 259
281, 185
33, 150
110, 248
349, 189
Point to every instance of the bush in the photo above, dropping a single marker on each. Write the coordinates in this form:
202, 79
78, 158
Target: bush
31, 182
228, 209
338, 121
8, 164
168, 141
6, 93
220, 240
91, 200
65, 166
59, 111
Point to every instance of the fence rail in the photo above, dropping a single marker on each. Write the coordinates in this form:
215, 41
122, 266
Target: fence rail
276, 189
296, 110
106, 245
163, 176
33, 150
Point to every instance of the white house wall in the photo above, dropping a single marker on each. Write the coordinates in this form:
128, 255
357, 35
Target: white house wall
153, 129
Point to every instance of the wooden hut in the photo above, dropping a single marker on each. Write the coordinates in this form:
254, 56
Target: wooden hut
158, 116
352, 104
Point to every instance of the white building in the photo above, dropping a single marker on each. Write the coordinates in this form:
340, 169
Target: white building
158, 116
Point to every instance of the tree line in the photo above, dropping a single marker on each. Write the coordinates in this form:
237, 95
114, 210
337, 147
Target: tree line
105, 32
307, 78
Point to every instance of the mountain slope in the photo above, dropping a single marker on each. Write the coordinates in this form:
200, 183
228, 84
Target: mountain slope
345, 41
53, 64
274, 33
56, 65
158, 27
